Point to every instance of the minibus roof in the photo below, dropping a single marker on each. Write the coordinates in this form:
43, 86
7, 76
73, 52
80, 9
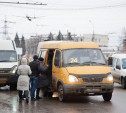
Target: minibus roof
69, 45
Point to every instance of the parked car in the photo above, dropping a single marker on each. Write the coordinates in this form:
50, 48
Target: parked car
117, 64
8, 63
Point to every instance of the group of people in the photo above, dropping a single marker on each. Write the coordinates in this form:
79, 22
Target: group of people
33, 77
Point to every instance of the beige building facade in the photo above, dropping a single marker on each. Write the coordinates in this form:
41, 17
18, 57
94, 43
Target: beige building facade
101, 40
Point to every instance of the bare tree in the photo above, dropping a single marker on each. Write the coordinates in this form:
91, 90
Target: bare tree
122, 39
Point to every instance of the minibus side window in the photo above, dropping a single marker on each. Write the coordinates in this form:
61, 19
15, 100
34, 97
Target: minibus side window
57, 60
39, 53
43, 53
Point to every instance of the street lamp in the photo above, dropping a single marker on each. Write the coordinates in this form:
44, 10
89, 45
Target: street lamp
93, 36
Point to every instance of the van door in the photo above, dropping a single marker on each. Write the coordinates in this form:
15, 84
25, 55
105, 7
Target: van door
114, 60
115, 70
118, 71
46, 57
56, 69
48, 61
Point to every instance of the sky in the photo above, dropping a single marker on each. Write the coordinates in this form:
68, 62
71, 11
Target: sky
77, 16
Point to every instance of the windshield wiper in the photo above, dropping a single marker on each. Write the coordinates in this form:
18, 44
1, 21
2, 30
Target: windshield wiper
4, 61
98, 63
86, 63
73, 63
90, 63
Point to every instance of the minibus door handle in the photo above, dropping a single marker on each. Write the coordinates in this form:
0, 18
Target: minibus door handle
54, 71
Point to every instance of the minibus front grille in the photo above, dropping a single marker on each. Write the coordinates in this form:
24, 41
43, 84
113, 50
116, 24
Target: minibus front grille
4, 70
92, 79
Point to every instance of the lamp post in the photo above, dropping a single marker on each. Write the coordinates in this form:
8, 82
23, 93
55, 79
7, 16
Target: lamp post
93, 36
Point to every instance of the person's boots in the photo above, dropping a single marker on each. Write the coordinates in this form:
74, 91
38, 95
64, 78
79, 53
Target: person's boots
37, 97
27, 100
20, 99
37, 93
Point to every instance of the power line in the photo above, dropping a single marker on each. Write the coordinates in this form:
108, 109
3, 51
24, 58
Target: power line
26, 3
88, 8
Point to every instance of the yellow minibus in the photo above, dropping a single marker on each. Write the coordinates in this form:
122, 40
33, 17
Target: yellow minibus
77, 68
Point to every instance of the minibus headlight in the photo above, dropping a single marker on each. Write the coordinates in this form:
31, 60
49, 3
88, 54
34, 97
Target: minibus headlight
109, 78
73, 78
14, 69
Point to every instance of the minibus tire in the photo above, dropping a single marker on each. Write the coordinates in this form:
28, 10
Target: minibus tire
123, 82
61, 94
45, 94
50, 94
107, 96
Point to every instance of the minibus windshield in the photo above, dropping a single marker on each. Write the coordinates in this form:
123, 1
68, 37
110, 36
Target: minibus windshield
8, 56
124, 63
80, 57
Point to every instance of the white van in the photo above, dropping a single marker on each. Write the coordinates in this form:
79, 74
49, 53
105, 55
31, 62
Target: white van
117, 63
8, 63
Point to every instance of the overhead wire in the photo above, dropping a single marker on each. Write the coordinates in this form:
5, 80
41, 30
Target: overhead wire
82, 8
26, 3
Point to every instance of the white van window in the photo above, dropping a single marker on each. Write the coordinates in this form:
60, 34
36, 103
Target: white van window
114, 62
8, 56
118, 65
77, 57
124, 63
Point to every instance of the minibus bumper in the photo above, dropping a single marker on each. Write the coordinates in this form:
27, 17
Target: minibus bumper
7, 79
70, 89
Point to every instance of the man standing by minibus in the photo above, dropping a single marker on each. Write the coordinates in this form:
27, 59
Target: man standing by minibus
34, 76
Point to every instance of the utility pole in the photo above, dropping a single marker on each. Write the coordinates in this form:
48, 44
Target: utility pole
5, 31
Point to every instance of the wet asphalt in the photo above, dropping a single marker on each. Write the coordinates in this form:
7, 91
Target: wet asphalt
90, 104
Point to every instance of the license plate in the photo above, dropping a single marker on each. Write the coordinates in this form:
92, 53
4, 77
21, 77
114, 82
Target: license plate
93, 90
3, 80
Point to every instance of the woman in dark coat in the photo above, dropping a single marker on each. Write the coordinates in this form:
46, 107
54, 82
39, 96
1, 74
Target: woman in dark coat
43, 80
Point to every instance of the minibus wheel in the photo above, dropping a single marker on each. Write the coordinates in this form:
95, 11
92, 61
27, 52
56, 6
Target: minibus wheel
50, 94
61, 94
107, 96
123, 82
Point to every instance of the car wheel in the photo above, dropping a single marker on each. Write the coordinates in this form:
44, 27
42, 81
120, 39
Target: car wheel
107, 96
61, 93
123, 82
13, 87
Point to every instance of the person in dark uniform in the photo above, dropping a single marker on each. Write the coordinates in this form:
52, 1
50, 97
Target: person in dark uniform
43, 80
